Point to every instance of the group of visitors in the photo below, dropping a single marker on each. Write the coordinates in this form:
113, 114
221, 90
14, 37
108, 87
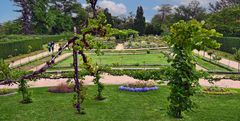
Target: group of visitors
51, 46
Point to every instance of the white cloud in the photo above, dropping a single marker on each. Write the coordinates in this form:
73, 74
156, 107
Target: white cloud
156, 8
114, 8
84, 5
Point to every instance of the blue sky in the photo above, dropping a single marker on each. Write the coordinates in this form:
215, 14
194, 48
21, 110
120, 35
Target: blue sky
6, 11
117, 7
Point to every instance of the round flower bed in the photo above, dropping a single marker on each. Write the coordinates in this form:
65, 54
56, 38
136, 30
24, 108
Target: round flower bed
140, 86
133, 89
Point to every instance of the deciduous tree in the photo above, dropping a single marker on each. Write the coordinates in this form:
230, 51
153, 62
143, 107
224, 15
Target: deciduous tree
26, 14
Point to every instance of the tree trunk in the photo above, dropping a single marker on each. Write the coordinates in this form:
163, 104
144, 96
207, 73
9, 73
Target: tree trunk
77, 83
26, 16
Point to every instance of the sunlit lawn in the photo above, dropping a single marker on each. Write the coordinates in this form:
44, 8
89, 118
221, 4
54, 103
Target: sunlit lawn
138, 60
119, 106
125, 59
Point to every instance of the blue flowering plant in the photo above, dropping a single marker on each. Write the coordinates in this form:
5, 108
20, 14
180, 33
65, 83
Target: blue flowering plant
140, 86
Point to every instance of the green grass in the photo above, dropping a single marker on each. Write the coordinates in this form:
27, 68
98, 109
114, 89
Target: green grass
209, 66
122, 59
225, 55
119, 106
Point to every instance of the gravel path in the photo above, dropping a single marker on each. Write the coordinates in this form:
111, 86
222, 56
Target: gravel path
119, 80
60, 58
32, 58
226, 83
200, 68
120, 47
224, 61
106, 79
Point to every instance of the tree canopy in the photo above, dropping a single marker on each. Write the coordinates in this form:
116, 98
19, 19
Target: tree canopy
139, 22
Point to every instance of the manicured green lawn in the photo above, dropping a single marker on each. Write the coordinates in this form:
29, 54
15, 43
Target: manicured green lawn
122, 59
225, 55
210, 66
119, 106
139, 59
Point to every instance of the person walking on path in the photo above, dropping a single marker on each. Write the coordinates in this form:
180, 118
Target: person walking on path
49, 46
52, 46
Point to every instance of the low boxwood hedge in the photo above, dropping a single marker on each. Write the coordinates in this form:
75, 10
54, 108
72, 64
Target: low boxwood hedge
228, 43
13, 46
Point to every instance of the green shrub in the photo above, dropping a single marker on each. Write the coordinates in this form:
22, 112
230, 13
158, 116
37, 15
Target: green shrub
136, 64
141, 74
228, 43
148, 52
235, 77
16, 45
4, 91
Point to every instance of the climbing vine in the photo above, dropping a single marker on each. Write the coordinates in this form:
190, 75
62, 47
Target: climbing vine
95, 26
183, 39
26, 95
7, 74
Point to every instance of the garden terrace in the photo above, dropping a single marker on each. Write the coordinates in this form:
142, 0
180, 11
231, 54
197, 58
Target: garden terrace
139, 59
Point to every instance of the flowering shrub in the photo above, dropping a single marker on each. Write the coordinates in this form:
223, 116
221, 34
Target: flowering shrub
217, 90
4, 91
61, 88
142, 84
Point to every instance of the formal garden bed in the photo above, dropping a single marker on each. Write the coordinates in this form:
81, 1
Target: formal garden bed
139, 86
218, 90
6, 92
139, 60
62, 88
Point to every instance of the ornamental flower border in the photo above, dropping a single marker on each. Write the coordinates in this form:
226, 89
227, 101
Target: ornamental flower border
132, 89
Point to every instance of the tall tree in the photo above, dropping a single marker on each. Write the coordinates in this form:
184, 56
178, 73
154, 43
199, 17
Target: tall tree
42, 19
192, 11
108, 16
139, 21
226, 21
11, 27
151, 29
221, 4
26, 12
129, 23
165, 10
67, 13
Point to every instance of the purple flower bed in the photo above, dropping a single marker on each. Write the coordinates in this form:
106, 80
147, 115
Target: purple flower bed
130, 89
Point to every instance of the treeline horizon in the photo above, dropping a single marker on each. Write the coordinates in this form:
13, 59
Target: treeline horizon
58, 16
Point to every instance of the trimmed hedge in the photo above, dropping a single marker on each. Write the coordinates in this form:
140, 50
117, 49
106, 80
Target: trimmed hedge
161, 74
17, 46
228, 43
